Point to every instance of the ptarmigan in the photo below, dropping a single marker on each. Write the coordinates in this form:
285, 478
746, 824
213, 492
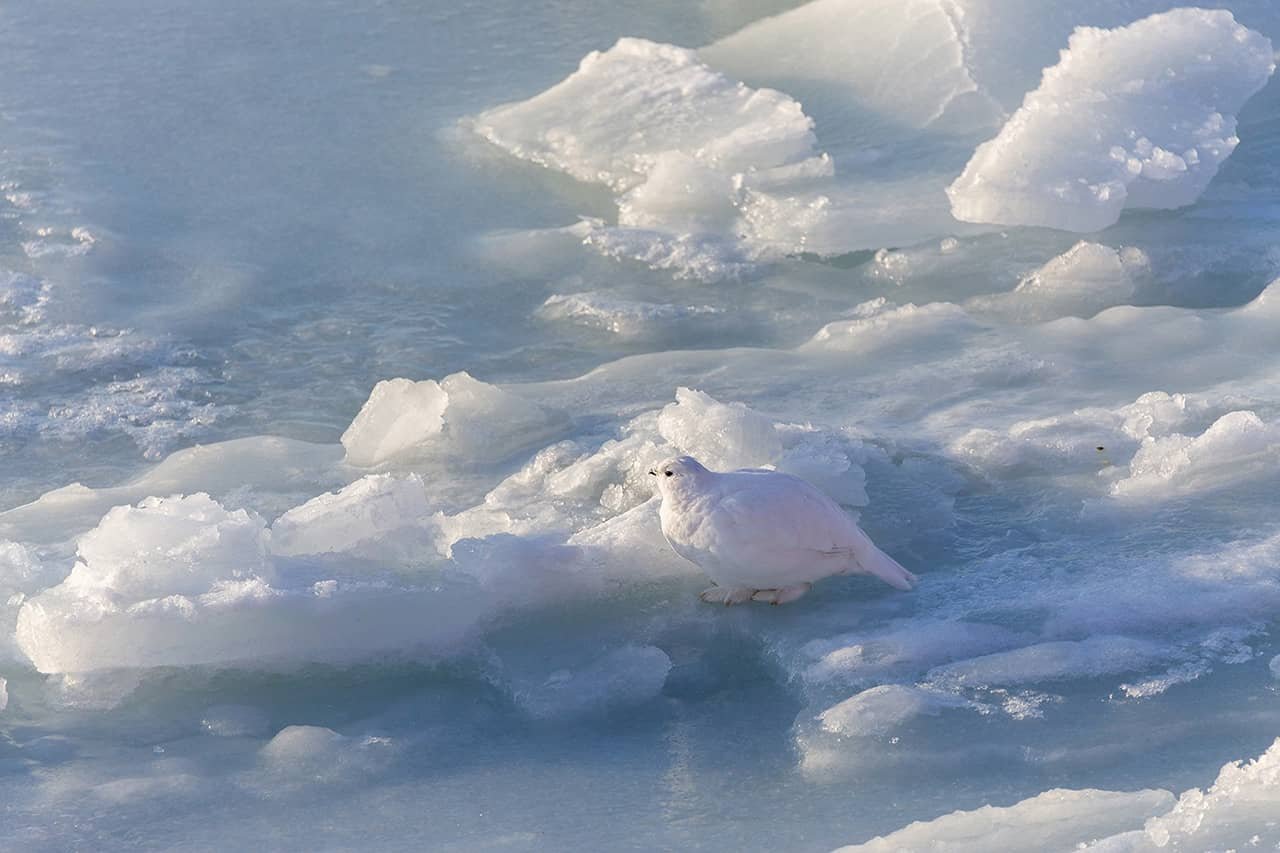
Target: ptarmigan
763, 535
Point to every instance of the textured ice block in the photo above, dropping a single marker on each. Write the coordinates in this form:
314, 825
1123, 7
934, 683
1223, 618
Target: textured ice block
1137, 116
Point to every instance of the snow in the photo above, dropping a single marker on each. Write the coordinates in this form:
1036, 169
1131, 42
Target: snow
1140, 116
1054, 820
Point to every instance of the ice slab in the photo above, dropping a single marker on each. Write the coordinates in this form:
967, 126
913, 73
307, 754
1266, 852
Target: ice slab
458, 416
1137, 116
902, 63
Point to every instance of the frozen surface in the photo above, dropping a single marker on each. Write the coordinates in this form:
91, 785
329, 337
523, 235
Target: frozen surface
336, 342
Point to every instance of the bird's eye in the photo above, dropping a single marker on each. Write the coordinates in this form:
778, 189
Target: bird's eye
668, 473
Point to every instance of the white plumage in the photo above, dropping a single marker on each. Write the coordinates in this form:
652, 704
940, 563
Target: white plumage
763, 535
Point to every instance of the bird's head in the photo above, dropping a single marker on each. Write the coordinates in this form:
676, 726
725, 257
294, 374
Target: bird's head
677, 473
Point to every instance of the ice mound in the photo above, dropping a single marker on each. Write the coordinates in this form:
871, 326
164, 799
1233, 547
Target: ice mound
380, 516
315, 754
182, 581
879, 710
877, 325
459, 416
628, 318
1082, 281
1238, 445
721, 436
1096, 656
860, 50
688, 151
1093, 441
1138, 116
624, 677
1055, 820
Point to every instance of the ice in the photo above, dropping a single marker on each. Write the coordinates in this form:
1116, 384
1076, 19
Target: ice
858, 51
721, 436
403, 420
184, 581
1239, 445
309, 755
1082, 281
601, 124
628, 318
1052, 661
1054, 820
688, 151
623, 677
726, 235
379, 516
1137, 116
4, 694
1275, 666
878, 710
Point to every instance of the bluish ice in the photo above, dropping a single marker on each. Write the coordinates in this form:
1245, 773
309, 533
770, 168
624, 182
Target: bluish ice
336, 340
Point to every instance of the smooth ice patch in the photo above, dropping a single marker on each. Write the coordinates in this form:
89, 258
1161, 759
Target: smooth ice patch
623, 677
859, 50
1052, 661
1138, 116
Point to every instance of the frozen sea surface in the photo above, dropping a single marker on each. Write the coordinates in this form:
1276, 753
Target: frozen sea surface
336, 338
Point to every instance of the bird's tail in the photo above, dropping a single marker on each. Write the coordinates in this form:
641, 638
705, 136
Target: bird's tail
873, 561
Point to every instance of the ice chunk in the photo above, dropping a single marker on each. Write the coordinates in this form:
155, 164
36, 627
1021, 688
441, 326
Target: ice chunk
383, 516
1082, 281
690, 153
311, 754
170, 546
1274, 666
860, 50
624, 677
879, 710
241, 466
399, 416
881, 326
721, 436
1138, 116
459, 416
1055, 820
4, 694
1063, 659
611, 121
182, 581
1238, 445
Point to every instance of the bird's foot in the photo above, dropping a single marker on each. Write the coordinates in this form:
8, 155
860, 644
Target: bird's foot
726, 595
782, 595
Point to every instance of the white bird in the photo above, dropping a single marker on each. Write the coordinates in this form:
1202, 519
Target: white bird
763, 535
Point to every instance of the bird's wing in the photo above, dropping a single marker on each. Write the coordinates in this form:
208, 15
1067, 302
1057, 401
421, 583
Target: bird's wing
775, 511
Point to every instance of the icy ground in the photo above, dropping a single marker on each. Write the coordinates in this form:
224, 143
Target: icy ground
335, 340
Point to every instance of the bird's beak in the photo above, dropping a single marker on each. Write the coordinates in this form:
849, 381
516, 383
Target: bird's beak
652, 472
